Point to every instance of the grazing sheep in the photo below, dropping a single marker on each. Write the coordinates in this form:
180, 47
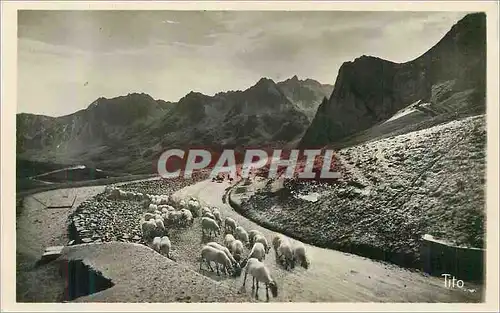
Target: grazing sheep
210, 225
258, 252
241, 234
148, 216
225, 250
260, 273
206, 209
174, 217
252, 234
194, 206
299, 254
148, 229
153, 207
165, 246
163, 208
187, 217
237, 249
230, 225
209, 254
228, 240
207, 214
159, 224
163, 199
285, 254
277, 241
259, 238
164, 216
156, 244
217, 216
182, 204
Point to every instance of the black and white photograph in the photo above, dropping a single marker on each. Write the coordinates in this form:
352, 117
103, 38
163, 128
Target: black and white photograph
227, 155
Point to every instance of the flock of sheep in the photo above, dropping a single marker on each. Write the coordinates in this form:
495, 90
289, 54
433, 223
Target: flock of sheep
164, 212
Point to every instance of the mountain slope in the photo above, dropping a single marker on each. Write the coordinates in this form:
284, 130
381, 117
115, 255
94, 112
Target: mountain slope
129, 132
306, 94
450, 76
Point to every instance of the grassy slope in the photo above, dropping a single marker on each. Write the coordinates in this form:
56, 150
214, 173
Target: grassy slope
429, 181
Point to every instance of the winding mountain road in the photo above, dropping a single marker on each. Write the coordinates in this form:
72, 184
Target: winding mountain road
333, 276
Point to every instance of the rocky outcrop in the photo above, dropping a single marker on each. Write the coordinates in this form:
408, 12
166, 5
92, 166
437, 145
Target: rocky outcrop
306, 94
104, 122
451, 76
128, 133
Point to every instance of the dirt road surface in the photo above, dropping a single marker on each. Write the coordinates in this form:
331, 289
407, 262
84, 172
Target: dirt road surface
333, 276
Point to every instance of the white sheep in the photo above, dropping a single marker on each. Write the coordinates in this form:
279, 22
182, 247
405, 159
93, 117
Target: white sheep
210, 215
156, 244
148, 216
230, 225
210, 225
299, 254
252, 234
260, 273
148, 228
174, 217
210, 254
258, 251
237, 249
259, 238
187, 217
155, 199
164, 216
277, 241
165, 246
163, 199
285, 254
228, 240
159, 224
225, 250
193, 205
217, 216
153, 207
241, 234
206, 209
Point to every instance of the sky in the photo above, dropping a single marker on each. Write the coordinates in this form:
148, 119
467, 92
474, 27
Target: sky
68, 59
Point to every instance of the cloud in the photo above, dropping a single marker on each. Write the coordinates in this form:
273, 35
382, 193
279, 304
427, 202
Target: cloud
169, 53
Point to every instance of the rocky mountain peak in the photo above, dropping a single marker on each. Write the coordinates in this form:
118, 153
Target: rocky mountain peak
369, 89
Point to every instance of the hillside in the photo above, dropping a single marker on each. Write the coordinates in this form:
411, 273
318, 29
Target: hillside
426, 182
127, 133
450, 77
